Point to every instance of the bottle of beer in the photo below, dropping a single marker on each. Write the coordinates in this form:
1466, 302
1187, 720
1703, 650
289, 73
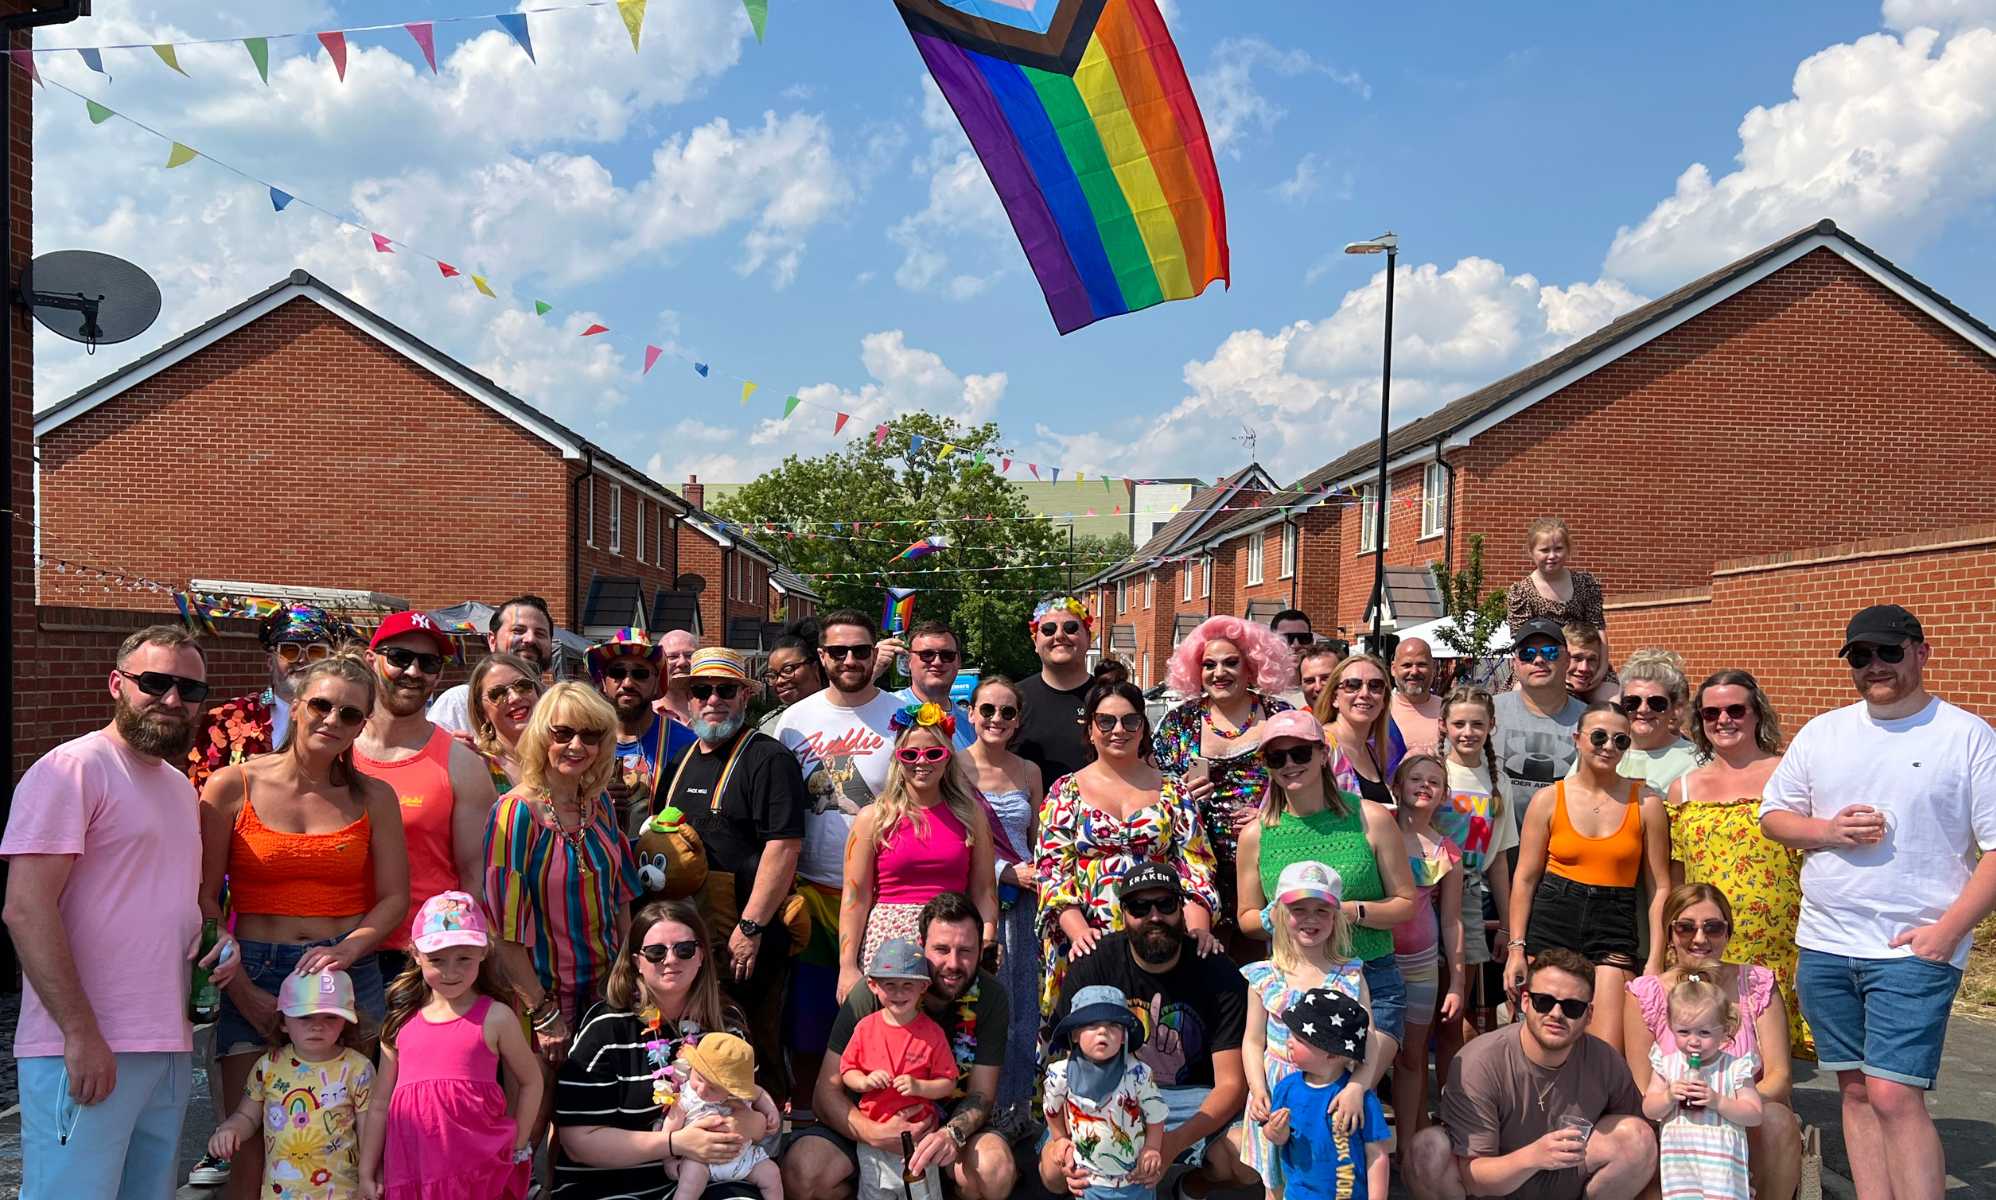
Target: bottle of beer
204, 1000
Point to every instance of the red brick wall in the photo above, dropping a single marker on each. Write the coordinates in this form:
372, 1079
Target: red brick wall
723, 598
1405, 547
598, 559
345, 466
1782, 617
1320, 564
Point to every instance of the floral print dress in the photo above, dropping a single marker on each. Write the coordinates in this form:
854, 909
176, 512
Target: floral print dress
1083, 851
1238, 783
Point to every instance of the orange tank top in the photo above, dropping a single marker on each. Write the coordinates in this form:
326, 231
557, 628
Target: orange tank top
422, 787
299, 874
1612, 861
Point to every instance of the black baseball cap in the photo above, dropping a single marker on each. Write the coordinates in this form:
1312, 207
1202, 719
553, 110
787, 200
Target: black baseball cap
1150, 876
1539, 627
1882, 625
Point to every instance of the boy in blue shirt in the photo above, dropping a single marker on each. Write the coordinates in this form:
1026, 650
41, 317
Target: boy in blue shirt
1319, 1161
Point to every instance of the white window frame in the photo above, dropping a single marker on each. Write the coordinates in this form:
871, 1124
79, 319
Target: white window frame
1434, 499
1257, 552
1150, 589
640, 543
616, 519
1289, 546
1185, 573
1122, 597
1206, 577
1368, 517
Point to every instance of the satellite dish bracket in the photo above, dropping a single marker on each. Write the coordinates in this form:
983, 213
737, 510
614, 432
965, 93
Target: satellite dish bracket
89, 306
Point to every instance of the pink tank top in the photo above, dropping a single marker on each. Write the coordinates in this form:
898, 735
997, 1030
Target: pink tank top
912, 866
454, 1050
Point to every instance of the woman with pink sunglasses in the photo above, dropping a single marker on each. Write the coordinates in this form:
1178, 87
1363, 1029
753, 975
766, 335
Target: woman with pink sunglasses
926, 834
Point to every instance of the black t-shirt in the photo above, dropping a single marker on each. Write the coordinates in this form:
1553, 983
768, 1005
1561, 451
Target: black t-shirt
1200, 1002
993, 1013
765, 802
1050, 736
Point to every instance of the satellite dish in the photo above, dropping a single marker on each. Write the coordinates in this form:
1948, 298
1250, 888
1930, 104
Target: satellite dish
87, 297
690, 583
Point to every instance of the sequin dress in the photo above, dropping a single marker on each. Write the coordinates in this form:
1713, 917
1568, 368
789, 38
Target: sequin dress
1239, 780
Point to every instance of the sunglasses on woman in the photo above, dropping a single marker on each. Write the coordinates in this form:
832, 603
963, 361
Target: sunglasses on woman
1278, 758
1352, 687
1601, 737
293, 653
656, 952
564, 734
524, 689
1571, 1009
1001, 712
1860, 657
1129, 722
1049, 628
402, 658
1711, 929
921, 754
1732, 712
345, 714
1635, 704
159, 683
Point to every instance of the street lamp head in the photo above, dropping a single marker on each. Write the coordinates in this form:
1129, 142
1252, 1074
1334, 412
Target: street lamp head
1385, 243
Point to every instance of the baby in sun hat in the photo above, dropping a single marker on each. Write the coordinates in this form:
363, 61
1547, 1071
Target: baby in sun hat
720, 1081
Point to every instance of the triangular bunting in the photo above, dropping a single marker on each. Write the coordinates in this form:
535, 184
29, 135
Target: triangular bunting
25, 59
1004, 464
98, 113
839, 425
478, 281
542, 308
1091, 512
1079, 476
449, 272
335, 43
1034, 468
595, 329
758, 15
380, 244
516, 24
748, 389
789, 406
880, 435
259, 52
915, 441
426, 41
701, 368
94, 59
181, 155
1055, 472
278, 199
947, 450
167, 56
633, 12
651, 356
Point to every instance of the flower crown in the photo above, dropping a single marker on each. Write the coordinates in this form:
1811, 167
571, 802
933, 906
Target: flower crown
927, 715
1062, 604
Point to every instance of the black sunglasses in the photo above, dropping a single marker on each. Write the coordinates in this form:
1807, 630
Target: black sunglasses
402, 658
1278, 758
1049, 628
1859, 657
159, 683
656, 952
1712, 712
862, 652
620, 674
1601, 737
937, 656
1635, 704
1163, 906
1572, 1010
1003, 712
348, 714
1107, 722
1299, 639
726, 691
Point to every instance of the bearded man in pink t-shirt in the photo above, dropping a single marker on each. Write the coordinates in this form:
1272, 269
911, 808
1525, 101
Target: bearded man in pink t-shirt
103, 847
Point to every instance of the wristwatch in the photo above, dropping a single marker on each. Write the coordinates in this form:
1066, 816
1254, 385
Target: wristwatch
954, 1136
751, 928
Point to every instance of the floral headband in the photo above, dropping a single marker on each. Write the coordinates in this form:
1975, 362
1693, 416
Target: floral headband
1063, 604
923, 716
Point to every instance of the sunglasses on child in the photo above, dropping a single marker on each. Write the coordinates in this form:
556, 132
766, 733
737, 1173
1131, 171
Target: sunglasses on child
1859, 657
345, 714
564, 734
655, 953
1049, 628
159, 683
1001, 712
921, 754
1571, 1009
726, 691
402, 658
1278, 757
1600, 737
1163, 906
1635, 704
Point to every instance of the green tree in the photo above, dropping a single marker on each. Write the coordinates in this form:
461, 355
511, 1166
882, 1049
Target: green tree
1475, 614
896, 495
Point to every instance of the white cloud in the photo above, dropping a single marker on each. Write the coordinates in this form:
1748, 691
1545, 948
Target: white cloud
1890, 136
1948, 16
1231, 99
960, 242
1304, 181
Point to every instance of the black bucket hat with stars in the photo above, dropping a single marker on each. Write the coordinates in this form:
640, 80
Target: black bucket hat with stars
1331, 1021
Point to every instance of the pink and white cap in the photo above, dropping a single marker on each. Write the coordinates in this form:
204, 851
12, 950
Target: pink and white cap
1309, 881
449, 919
1291, 723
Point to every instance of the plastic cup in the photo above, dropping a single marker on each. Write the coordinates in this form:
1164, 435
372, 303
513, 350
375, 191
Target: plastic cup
1584, 1126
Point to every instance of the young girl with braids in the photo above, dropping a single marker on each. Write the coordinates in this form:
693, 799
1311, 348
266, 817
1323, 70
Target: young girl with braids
1476, 818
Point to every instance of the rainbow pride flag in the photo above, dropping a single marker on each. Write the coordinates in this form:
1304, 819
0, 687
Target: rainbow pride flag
1086, 123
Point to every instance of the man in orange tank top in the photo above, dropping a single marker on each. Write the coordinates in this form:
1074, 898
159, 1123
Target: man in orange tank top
445, 790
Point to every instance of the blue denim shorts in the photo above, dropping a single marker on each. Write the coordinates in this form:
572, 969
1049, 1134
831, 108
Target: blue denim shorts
265, 964
1884, 1016
1389, 996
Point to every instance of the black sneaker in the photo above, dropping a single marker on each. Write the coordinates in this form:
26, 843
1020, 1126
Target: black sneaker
209, 1172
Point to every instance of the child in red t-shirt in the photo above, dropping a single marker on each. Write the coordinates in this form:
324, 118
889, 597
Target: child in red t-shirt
898, 1059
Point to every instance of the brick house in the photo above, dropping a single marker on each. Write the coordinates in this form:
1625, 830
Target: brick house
736, 597
384, 465
1810, 394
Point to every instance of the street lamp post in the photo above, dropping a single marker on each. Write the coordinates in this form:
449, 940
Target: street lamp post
1388, 244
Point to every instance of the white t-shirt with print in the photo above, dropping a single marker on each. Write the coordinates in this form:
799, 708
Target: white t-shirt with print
845, 753
1933, 775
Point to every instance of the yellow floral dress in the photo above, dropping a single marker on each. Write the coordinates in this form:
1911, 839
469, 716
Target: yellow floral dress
1721, 844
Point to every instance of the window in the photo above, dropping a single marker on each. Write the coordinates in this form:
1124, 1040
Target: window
1122, 598
640, 543
1150, 592
1257, 550
1288, 551
616, 519
1185, 573
1206, 576
1434, 499
1368, 518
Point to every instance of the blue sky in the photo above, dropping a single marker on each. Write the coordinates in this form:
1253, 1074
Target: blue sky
805, 212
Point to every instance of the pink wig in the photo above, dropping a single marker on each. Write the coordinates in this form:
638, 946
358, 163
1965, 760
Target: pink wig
1266, 658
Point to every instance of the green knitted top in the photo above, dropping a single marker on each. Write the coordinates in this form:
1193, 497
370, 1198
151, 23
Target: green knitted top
1339, 843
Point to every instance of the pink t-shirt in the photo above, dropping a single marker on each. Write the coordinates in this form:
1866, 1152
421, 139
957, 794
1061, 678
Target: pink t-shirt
131, 907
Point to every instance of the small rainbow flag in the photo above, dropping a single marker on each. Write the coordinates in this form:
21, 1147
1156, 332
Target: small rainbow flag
899, 615
927, 546
1086, 123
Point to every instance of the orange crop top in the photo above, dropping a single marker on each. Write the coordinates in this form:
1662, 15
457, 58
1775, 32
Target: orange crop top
299, 874
1612, 861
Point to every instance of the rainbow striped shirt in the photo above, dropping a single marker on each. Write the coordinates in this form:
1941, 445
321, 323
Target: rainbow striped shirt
558, 897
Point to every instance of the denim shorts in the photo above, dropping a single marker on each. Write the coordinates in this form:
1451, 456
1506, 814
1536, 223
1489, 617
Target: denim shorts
1389, 996
265, 964
1884, 1016
1598, 923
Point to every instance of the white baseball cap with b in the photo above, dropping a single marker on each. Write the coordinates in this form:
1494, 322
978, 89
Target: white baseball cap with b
1309, 881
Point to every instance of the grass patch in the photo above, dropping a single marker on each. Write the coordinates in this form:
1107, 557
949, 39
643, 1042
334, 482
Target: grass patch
1978, 981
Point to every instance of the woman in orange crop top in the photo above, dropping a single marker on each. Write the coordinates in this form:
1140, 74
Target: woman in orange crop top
1586, 843
316, 867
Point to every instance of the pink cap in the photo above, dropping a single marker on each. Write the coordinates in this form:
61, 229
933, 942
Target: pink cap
1295, 723
449, 919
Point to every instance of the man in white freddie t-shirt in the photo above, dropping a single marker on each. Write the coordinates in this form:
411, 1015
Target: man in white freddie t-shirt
103, 849
1891, 798
844, 744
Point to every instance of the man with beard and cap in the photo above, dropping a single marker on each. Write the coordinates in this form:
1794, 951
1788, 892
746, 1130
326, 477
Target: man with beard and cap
1194, 1013
821, 1161
625, 666
743, 793
103, 846
520, 626
1050, 733
444, 787
676, 647
237, 730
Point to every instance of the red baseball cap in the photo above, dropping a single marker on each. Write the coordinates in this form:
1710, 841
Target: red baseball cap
422, 623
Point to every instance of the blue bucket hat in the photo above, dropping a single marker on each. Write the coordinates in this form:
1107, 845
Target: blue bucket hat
1094, 1005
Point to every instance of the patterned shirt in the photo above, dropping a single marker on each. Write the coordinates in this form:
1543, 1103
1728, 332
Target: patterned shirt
559, 894
312, 1113
1108, 1136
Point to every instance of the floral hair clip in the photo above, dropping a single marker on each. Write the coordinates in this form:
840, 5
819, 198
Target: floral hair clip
925, 716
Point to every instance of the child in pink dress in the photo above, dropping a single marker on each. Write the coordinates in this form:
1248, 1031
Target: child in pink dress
438, 1109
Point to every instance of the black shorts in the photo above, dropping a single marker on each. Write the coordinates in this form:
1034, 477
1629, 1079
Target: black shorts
1599, 923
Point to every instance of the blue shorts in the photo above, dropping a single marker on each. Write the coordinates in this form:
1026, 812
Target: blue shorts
265, 964
1886, 1017
1389, 996
125, 1146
